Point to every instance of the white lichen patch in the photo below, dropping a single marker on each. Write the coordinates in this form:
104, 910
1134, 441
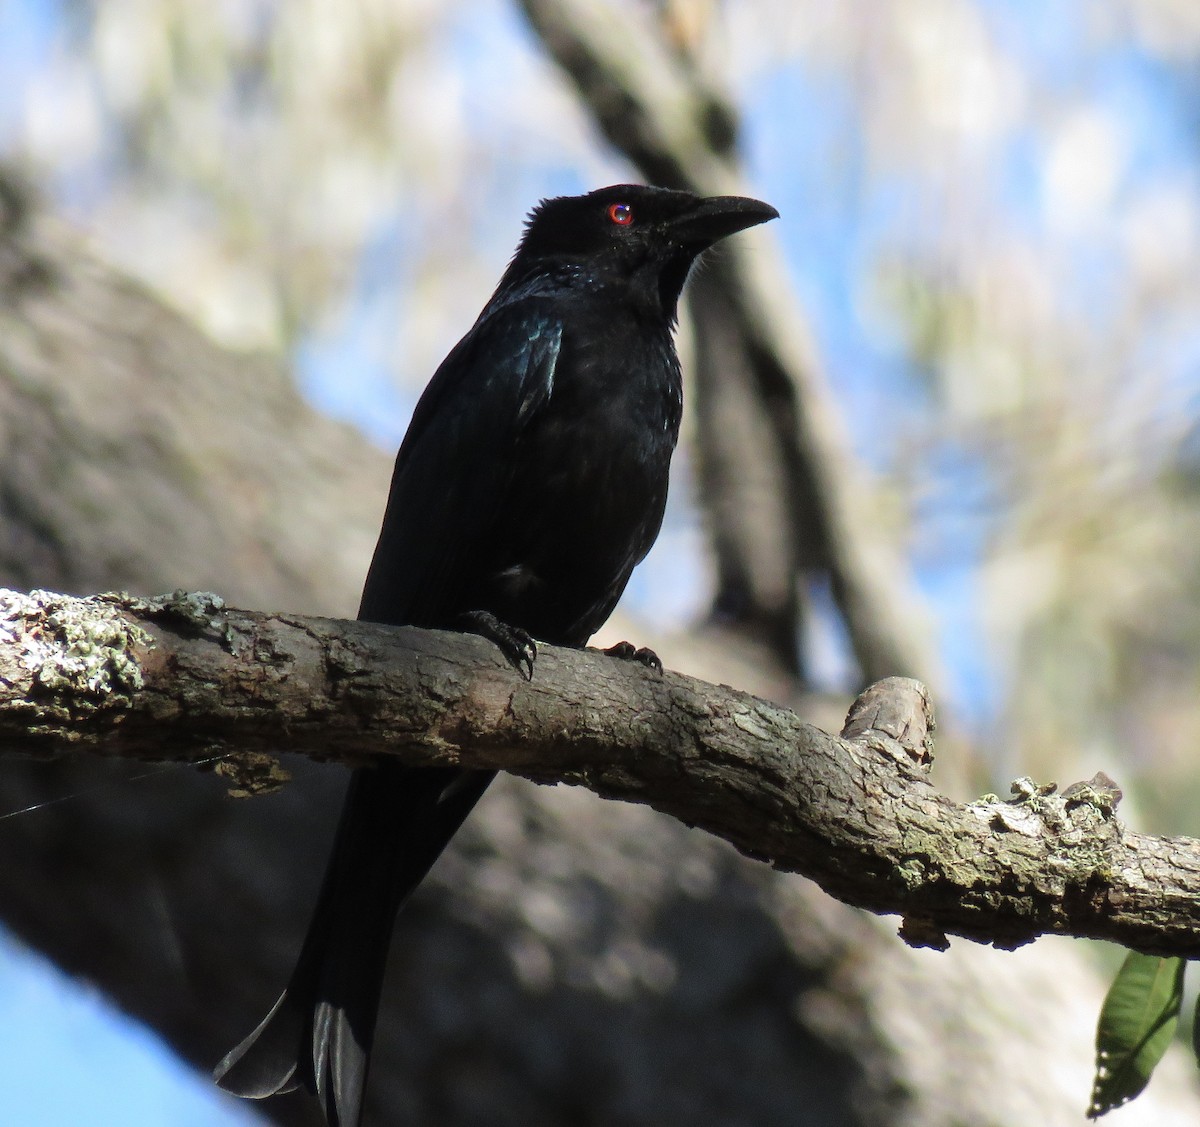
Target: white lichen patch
200, 609
72, 645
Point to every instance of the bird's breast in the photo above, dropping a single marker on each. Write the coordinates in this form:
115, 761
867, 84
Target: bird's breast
590, 486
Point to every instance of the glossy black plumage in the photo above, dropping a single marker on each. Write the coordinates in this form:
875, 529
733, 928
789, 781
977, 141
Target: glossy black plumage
531, 481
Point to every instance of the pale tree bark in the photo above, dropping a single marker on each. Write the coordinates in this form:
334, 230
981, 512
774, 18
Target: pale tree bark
570, 960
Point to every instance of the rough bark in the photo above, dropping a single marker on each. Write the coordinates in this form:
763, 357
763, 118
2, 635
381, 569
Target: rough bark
184, 677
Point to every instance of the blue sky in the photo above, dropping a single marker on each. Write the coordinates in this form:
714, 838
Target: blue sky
68, 1058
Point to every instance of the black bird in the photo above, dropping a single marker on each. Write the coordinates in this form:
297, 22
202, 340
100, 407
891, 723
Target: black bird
531, 481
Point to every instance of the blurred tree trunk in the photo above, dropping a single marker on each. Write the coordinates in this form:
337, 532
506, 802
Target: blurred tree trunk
784, 497
570, 961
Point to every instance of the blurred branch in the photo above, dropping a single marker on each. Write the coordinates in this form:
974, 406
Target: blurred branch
781, 484
122, 461
181, 676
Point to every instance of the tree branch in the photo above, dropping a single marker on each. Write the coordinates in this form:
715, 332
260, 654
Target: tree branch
183, 677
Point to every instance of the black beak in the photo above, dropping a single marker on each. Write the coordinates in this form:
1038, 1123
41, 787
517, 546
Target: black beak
716, 217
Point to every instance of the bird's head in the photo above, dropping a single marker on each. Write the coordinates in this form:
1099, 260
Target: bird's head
632, 237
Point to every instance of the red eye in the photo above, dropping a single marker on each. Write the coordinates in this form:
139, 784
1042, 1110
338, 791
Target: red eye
620, 213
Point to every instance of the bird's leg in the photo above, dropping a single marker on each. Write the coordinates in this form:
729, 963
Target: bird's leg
627, 651
515, 644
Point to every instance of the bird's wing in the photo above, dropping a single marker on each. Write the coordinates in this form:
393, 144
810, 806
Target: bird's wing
453, 468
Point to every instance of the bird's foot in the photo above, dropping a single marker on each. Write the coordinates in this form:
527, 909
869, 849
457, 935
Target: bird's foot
627, 651
517, 645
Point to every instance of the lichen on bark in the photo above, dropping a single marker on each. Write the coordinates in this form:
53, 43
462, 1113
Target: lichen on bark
83, 650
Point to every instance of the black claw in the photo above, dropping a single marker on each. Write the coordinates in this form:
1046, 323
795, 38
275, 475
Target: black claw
517, 645
626, 651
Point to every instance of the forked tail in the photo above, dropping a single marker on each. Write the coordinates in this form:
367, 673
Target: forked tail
394, 824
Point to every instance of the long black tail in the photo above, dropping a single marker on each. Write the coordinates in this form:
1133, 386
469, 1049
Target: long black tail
394, 824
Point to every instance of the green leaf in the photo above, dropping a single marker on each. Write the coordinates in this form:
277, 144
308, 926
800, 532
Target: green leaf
1196, 1032
1137, 1022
